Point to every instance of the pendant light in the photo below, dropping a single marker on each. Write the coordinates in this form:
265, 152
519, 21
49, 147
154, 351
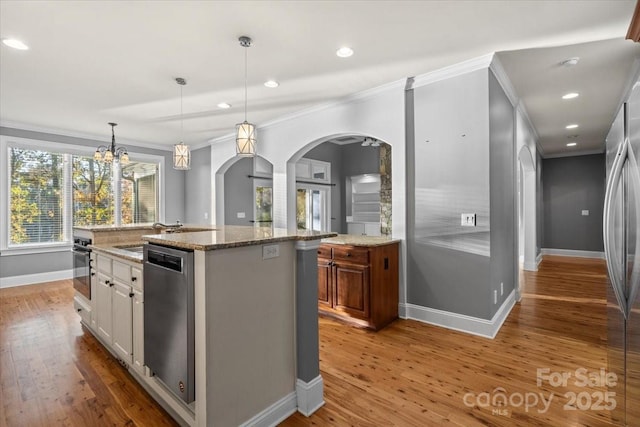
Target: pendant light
181, 152
111, 153
245, 131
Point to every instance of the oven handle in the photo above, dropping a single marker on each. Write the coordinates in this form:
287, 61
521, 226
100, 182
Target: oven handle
81, 251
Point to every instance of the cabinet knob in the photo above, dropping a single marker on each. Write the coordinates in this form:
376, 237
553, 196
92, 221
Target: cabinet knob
111, 284
93, 274
133, 279
131, 294
107, 282
79, 310
348, 254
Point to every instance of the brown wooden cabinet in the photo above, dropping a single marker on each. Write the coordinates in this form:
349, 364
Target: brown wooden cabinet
359, 283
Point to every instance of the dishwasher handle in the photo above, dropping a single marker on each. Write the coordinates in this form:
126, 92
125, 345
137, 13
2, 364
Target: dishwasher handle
167, 261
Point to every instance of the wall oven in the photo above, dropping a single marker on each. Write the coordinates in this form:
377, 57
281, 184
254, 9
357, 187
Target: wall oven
82, 266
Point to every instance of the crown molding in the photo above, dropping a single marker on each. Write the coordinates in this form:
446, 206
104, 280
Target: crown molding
81, 135
454, 70
504, 80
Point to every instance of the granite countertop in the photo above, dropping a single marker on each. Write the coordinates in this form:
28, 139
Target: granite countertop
231, 236
119, 251
142, 226
359, 240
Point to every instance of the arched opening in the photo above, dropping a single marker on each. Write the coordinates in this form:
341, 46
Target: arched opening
341, 183
244, 193
527, 211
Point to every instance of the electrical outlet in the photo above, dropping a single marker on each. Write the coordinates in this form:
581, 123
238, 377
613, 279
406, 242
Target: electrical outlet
270, 251
501, 288
585, 212
495, 297
468, 220
206, 215
240, 214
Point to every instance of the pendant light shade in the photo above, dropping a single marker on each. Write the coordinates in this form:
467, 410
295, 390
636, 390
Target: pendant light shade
245, 139
181, 152
245, 131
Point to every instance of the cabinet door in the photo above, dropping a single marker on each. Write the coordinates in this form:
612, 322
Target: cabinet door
138, 331
356, 228
372, 229
122, 318
325, 290
351, 289
103, 308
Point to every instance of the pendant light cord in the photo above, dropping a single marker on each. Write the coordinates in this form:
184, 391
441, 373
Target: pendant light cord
181, 116
245, 81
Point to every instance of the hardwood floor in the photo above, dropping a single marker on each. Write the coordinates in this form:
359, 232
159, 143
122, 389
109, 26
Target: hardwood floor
52, 372
412, 374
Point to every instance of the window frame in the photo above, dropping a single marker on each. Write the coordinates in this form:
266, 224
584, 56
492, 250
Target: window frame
67, 150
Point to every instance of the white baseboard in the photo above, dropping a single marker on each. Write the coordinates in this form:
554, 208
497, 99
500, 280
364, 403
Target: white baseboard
460, 322
310, 395
30, 279
530, 266
274, 414
573, 253
538, 259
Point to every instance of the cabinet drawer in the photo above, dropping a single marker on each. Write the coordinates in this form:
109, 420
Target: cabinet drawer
83, 310
104, 264
324, 251
122, 272
351, 254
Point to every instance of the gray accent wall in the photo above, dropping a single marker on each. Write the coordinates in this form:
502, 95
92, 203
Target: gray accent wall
503, 192
460, 159
18, 265
238, 193
570, 185
198, 188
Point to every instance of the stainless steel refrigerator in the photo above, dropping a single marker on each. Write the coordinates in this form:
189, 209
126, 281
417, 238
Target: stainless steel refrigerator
621, 243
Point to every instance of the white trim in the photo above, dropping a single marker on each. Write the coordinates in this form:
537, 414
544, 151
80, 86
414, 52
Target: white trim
460, 322
368, 93
454, 70
104, 138
310, 395
32, 279
538, 259
525, 115
274, 414
530, 266
504, 81
36, 249
573, 253
574, 154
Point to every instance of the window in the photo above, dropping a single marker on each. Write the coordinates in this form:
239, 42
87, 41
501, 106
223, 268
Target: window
52, 187
36, 197
312, 208
264, 202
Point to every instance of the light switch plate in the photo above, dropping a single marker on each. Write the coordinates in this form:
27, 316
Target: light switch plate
270, 251
468, 220
585, 212
240, 214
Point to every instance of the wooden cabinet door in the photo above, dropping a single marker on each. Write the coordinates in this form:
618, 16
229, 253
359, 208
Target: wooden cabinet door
325, 291
103, 308
351, 289
122, 321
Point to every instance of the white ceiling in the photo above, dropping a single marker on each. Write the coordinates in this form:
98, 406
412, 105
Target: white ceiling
93, 62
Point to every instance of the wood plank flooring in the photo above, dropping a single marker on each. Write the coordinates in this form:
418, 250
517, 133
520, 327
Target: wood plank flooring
52, 372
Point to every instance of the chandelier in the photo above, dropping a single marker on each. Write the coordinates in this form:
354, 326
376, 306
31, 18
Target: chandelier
111, 153
181, 152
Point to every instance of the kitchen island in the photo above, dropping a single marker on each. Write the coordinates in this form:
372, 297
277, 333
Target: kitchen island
255, 318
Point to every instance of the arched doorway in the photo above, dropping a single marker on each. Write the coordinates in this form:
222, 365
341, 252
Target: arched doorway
527, 212
341, 183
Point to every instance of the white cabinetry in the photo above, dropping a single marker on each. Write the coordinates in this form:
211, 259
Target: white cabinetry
119, 309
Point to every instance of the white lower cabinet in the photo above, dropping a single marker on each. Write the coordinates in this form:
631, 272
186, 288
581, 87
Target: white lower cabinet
119, 304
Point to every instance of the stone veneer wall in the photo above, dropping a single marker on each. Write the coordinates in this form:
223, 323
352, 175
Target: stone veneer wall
385, 189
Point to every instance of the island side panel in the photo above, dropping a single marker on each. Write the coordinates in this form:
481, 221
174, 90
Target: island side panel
250, 332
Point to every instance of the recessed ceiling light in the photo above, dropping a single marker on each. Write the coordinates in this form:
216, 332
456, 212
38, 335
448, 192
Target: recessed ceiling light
16, 44
570, 62
572, 144
570, 95
571, 126
224, 105
271, 83
344, 52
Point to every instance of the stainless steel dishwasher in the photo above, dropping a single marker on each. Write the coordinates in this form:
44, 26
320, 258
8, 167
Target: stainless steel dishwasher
169, 319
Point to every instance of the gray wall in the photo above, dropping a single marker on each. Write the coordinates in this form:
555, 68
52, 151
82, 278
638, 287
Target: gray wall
448, 266
17, 265
238, 193
570, 185
198, 188
503, 194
